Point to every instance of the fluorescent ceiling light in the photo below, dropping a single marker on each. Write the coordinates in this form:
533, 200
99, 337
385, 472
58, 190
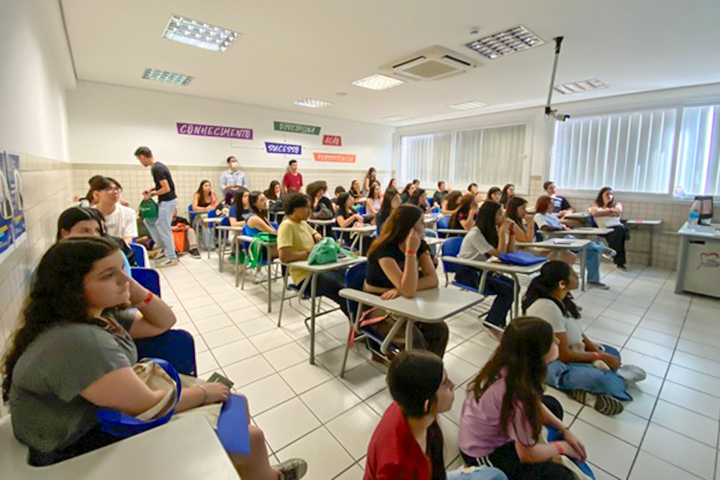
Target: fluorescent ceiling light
199, 34
167, 77
508, 41
468, 105
396, 118
580, 87
378, 82
312, 103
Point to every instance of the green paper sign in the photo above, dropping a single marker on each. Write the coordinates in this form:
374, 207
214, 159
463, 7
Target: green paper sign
297, 128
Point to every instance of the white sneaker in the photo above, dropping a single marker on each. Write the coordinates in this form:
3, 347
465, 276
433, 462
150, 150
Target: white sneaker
166, 263
631, 374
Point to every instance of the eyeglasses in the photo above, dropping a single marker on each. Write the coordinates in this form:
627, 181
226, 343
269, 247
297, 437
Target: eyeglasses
113, 190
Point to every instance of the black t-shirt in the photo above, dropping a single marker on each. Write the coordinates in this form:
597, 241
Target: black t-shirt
161, 172
380, 219
375, 275
439, 196
560, 204
345, 236
324, 201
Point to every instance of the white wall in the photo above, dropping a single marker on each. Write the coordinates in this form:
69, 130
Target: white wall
108, 122
36, 71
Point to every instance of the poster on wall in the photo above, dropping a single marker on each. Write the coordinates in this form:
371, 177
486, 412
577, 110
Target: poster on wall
332, 140
217, 131
283, 148
296, 128
334, 157
6, 214
14, 179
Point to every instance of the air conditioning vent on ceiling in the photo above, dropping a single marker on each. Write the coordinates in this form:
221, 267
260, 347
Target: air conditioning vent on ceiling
433, 63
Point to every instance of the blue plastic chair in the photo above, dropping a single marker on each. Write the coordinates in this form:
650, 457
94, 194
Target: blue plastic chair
435, 209
431, 201
175, 346
148, 278
451, 248
444, 222
361, 210
140, 254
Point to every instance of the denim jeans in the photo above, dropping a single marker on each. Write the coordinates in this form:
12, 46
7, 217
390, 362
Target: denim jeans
206, 232
482, 473
501, 287
583, 376
160, 229
594, 250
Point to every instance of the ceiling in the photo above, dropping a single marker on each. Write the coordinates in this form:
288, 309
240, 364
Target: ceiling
295, 49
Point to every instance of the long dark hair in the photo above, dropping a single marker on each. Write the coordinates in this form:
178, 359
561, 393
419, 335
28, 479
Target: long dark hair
57, 295
599, 200
391, 182
407, 188
486, 222
270, 194
414, 377
415, 197
237, 201
386, 207
545, 284
202, 201
491, 192
342, 201
371, 174
397, 226
374, 192
512, 211
254, 197
71, 216
504, 194
452, 199
352, 191
519, 358
463, 208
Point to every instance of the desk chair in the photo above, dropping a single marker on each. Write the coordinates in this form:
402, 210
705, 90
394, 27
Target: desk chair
248, 232
141, 255
451, 248
148, 278
175, 346
444, 222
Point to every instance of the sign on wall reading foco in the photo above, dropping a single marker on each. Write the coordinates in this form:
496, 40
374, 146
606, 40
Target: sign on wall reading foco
334, 140
214, 131
296, 128
334, 157
283, 148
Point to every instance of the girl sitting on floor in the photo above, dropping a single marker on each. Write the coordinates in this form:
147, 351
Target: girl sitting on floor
590, 373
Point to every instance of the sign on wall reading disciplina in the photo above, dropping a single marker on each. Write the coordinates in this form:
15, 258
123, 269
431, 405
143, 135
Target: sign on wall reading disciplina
334, 157
283, 148
296, 128
214, 131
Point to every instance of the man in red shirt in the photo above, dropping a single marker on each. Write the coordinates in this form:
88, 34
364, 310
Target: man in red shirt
292, 181
407, 443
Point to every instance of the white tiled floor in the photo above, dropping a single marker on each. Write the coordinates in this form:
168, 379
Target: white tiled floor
669, 431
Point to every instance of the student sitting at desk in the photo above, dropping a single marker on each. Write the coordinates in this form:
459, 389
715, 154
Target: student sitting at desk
346, 218
392, 184
506, 194
606, 212
484, 240
374, 200
296, 239
355, 191
493, 195
547, 222
464, 215
561, 207
322, 207
389, 203
408, 442
257, 221
74, 353
473, 189
440, 193
408, 192
588, 372
242, 208
204, 200
399, 264
419, 199
450, 202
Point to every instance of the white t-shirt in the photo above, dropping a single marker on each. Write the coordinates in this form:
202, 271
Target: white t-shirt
475, 246
122, 222
548, 310
607, 222
547, 219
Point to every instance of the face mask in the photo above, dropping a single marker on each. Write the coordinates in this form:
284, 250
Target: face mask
234, 164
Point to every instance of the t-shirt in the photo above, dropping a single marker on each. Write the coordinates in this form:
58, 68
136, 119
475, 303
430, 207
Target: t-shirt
161, 172
122, 222
380, 219
607, 221
547, 220
375, 274
480, 429
293, 182
345, 236
549, 311
300, 237
560, 203
474, 246
48, 412
394, 454
439, 196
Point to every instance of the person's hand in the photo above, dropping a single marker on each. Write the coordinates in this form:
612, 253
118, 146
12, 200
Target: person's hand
124, 202
138, 293
575, 443
611, 360
216, 392
570, 451
146, 195
390, 294
413, 240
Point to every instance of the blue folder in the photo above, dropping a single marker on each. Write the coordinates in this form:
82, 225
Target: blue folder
232, 429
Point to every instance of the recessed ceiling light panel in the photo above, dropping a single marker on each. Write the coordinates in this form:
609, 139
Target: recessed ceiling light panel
167, 77
468, 105
580, 87
396, 118
199, 34
312, 103
378, 82
503, 43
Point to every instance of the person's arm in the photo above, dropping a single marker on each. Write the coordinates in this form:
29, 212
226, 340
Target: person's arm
234, 222
129, 228
370, 207
569, 355
164, 188
288, 255
618, 209
224, 183
346, 222
525, 235
430, 278
195, 203
405, 281
257, 223
542, 452
244, 181
596, 211
152, 318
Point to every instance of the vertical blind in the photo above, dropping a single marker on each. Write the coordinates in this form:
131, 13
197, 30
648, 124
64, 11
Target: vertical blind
631, 152
488, 156
698, 168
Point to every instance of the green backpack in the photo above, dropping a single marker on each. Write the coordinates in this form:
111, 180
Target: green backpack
256, 250
148, 209
326, 251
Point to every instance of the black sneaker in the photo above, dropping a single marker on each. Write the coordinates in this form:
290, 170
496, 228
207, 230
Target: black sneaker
599, 285
293, 469
195, 252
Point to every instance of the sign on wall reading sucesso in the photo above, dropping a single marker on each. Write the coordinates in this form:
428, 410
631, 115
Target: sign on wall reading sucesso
214, 131
283, 148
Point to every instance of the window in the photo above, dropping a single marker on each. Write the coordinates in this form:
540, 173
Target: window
632, 152
698, 166
488, 156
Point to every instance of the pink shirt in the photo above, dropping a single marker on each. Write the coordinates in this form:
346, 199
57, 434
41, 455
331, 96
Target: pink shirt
480, 432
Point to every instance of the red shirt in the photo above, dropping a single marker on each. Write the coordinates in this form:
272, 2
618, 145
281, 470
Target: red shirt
293, 182
394, 454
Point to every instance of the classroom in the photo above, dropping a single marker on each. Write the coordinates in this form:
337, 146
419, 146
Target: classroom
359, 240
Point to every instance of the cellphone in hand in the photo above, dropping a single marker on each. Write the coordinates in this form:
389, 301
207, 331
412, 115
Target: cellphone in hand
217, 378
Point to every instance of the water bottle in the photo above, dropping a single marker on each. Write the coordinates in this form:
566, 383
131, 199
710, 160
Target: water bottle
694, 214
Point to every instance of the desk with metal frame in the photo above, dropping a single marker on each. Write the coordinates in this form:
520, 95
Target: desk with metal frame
646, 223
360, 233
565, 244
317, 222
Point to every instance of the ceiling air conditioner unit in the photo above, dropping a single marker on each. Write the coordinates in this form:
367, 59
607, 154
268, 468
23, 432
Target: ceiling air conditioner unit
434, 63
